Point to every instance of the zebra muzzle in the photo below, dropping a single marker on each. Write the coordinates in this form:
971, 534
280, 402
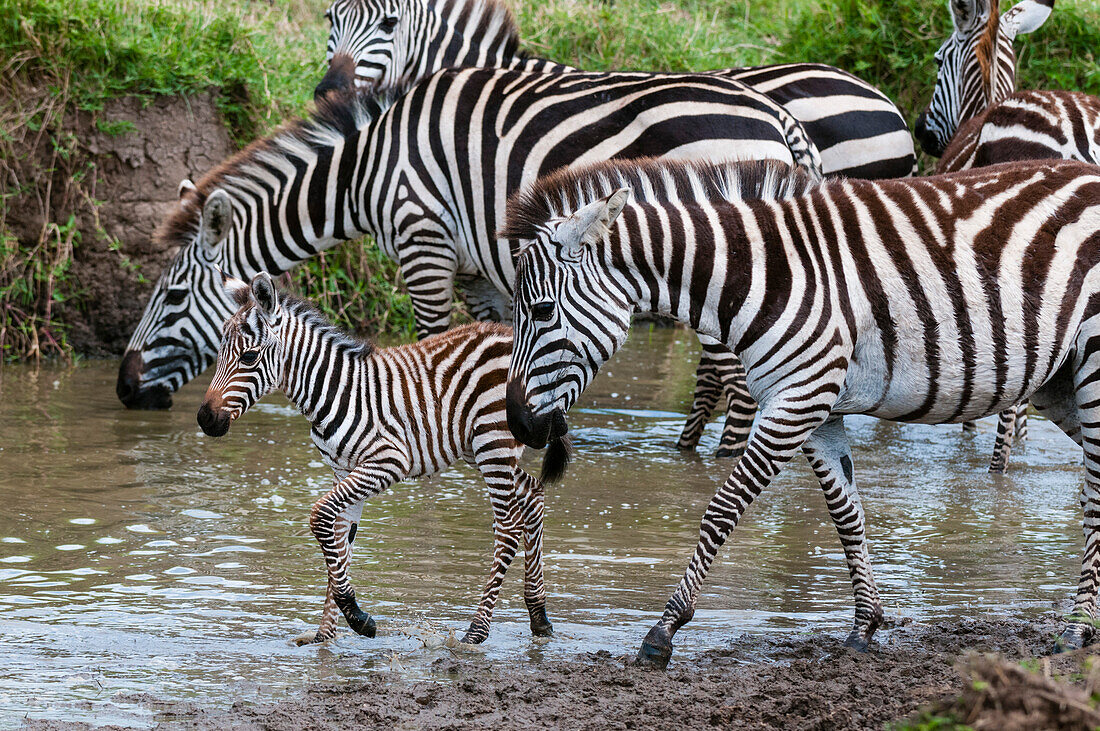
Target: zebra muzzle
532, 429
213, 422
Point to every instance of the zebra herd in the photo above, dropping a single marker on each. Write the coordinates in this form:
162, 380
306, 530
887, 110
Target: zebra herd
771, 209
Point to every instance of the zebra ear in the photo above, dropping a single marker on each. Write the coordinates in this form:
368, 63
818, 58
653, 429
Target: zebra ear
217, 218
237, 289
263, 291
185, 187
1025, 17
966, 14
588, 224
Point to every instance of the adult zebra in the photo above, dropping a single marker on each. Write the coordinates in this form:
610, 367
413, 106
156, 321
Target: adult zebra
975, 118
381, 415
391, 44
432, 195
898, 299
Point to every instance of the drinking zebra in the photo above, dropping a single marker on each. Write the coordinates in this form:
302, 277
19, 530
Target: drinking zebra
381, 415
928, 300
392, 44
431, 193
975, 118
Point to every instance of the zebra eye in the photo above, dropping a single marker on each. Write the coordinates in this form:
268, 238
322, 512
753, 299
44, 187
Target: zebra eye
176, 296
542, 310
249, 357
388, 24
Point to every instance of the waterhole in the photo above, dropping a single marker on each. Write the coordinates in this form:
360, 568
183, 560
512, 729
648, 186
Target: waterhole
141, 559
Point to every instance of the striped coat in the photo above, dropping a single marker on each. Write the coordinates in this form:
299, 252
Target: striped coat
930, 300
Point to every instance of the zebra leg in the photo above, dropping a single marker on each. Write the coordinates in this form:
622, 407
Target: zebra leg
831, 460
429, 273
1002, 448
345, 528
778, 436
507, 533
719, 372
1080, 419
365, 481
534, 589
500, 470
1021, 423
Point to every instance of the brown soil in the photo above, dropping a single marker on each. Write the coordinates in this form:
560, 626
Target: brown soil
136, 175
804, 681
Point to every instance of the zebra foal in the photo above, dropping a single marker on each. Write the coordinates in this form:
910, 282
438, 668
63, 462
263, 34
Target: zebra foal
929, 300
379, 416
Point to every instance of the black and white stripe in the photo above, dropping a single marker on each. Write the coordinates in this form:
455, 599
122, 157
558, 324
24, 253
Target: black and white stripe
392, 44
930, 300
379, 416
428, 178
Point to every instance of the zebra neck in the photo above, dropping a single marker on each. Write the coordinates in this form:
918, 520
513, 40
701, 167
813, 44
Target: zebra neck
318, 362
699, 277
470, 33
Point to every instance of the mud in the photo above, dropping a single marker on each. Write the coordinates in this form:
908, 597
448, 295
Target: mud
118, 177
803, 681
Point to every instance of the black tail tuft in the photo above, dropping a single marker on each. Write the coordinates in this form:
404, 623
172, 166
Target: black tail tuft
557, 459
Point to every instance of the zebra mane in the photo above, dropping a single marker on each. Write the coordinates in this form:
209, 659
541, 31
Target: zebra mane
308, 313
651, 180
337, 116
478, 19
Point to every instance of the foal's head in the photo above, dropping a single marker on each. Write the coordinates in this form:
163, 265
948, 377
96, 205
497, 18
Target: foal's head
250, 362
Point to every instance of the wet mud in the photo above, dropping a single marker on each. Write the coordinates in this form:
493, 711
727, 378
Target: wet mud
793, 681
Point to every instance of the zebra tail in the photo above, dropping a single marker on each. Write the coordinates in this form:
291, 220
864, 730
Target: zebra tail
557, 460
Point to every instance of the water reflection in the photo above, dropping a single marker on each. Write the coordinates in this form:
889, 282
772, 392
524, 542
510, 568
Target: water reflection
139, 556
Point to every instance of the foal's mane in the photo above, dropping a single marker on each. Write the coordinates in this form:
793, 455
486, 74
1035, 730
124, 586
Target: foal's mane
336, 117
651, 180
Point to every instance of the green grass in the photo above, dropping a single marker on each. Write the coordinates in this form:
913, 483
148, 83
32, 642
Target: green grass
262, 59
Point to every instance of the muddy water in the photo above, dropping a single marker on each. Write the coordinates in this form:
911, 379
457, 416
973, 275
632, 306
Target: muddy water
140, 558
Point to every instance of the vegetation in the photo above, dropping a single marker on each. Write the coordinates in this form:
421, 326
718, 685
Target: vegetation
263, 59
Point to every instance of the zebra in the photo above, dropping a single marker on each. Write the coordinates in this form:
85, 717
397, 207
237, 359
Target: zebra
388, 46
976, 118
431, 194
379, 416
932, 300
392, 44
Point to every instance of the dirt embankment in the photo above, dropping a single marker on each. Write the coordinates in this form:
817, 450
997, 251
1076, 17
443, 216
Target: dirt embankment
799, 681
117, 174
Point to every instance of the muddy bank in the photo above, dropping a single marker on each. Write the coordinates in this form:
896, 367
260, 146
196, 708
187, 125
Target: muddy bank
803, 681
114, 174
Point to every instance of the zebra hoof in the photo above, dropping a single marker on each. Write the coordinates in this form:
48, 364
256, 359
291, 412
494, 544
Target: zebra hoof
475, 635
540, 624
1073, 638
858, 642
313, 637
656, 649
361, 622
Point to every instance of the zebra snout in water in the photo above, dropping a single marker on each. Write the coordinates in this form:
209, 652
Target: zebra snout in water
532, 429
213, 422
340, 75
129, 390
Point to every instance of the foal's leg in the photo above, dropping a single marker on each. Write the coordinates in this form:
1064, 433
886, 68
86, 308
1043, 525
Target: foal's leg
345, 528
831, 459
498, 469
534, 589
366, 480
780, 432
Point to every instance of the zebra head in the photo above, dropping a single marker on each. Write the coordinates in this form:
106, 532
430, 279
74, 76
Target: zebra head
977, 65
177, 336
366, 45
570, 317
250, 362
